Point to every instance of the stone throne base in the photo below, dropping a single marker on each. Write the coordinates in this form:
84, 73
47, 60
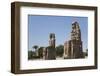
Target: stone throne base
49, 53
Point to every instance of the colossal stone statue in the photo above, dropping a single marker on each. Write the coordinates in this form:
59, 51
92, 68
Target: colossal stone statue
73, 48
49, 53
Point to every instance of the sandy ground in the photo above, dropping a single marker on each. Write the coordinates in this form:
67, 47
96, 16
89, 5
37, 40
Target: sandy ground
57, 58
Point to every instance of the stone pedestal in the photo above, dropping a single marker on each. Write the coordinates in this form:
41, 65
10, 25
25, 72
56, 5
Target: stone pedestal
49, 53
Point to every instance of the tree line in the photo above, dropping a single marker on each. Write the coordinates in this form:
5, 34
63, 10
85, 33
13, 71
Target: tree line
38, 53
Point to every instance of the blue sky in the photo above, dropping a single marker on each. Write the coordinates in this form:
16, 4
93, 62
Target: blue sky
39, 28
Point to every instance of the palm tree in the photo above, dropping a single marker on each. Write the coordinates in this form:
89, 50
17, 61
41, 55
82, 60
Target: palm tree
30, 54
40, 51
36, 51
